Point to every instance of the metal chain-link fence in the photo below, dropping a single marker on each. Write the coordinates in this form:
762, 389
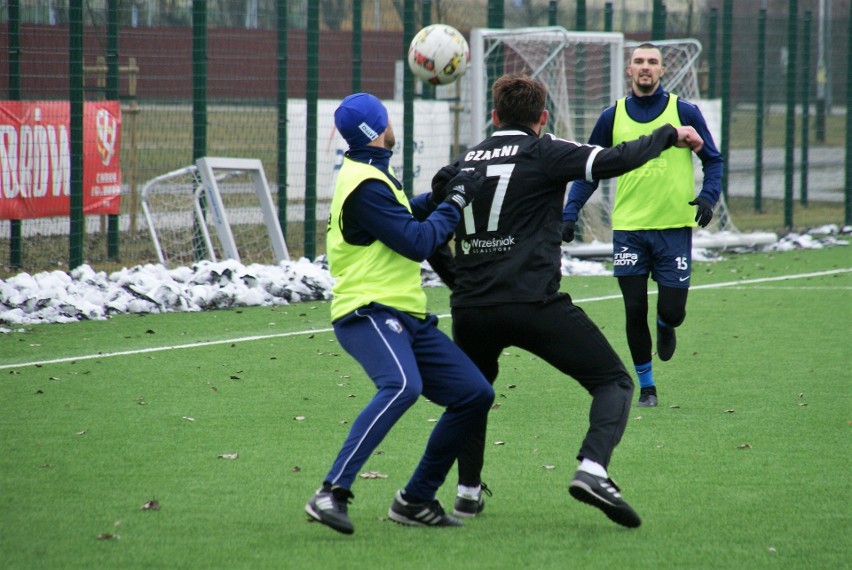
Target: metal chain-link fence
261, 81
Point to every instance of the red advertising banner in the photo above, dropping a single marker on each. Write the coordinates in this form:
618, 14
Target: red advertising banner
35, 158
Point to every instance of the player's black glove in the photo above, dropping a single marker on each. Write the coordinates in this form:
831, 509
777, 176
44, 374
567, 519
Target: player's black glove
441, 180
462, 189
568, 231
704, 212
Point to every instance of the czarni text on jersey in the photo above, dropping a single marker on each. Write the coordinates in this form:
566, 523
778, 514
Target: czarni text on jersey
508, 150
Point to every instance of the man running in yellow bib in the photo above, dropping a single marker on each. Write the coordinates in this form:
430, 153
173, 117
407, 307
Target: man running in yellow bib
655, 210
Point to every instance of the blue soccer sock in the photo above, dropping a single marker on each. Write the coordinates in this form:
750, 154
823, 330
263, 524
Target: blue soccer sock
645, 374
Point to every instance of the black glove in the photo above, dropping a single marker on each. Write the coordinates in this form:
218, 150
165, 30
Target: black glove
704, 213
568, 231
462, 189
441, 180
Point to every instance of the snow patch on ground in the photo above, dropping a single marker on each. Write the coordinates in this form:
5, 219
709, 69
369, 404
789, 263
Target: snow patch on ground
86, 294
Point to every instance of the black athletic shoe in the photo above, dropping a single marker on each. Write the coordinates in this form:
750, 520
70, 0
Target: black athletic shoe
647, 397
604, 494
468, 506
430, 513
330, 506
666, 342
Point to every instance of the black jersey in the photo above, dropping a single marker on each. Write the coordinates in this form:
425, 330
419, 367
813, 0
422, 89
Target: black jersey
508, 243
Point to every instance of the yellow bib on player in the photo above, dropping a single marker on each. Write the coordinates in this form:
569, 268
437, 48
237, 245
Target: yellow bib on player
656, 195
374, 273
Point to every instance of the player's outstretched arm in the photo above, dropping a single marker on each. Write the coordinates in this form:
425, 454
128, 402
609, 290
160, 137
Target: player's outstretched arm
628, 155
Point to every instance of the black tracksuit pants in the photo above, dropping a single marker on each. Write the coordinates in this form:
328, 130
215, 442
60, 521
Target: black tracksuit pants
563, 335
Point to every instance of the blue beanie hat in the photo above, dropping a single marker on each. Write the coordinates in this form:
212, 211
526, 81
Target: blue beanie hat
361, 118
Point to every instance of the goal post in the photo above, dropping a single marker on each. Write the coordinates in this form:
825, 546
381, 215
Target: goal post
169, 206
580, 69
253, 167
229, 195
584, 73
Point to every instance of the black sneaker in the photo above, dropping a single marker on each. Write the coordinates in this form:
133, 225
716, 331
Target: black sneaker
604, 494
468, 506
430, 513
647, 397
329, 506
666, 342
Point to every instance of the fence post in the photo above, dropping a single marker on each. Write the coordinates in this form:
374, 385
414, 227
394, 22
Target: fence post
113, 230
727, 25
848, 192
658, 21
790, 127
760, 105
580, 74
408, 31
357, 45
806, 117
199, 104
75, 97
496, 19
312, 96
428, 91
282, 115
15, 240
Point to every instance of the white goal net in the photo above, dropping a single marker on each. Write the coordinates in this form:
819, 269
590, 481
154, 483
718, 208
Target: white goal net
584, 73
218, 208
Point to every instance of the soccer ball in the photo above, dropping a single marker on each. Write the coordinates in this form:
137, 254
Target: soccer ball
438, 54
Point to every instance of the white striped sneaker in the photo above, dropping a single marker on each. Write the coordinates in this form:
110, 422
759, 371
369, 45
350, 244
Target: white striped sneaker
330, 507
430, 513
603, 493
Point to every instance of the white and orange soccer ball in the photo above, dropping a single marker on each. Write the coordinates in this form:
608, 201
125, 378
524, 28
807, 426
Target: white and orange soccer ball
438, 54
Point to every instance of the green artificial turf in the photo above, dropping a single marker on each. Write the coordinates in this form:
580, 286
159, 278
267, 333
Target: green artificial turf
743, 465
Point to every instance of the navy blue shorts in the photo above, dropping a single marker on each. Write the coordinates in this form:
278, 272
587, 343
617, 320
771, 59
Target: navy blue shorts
665, 254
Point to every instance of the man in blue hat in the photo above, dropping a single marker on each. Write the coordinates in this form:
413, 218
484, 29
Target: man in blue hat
377, 240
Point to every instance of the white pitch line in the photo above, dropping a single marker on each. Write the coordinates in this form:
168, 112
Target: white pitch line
329, 329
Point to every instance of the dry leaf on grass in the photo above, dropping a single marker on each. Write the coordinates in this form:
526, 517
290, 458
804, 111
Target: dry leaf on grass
152, 505
229, 456
373, 475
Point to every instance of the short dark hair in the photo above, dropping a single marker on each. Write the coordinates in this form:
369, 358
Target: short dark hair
648, 45
518, 99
